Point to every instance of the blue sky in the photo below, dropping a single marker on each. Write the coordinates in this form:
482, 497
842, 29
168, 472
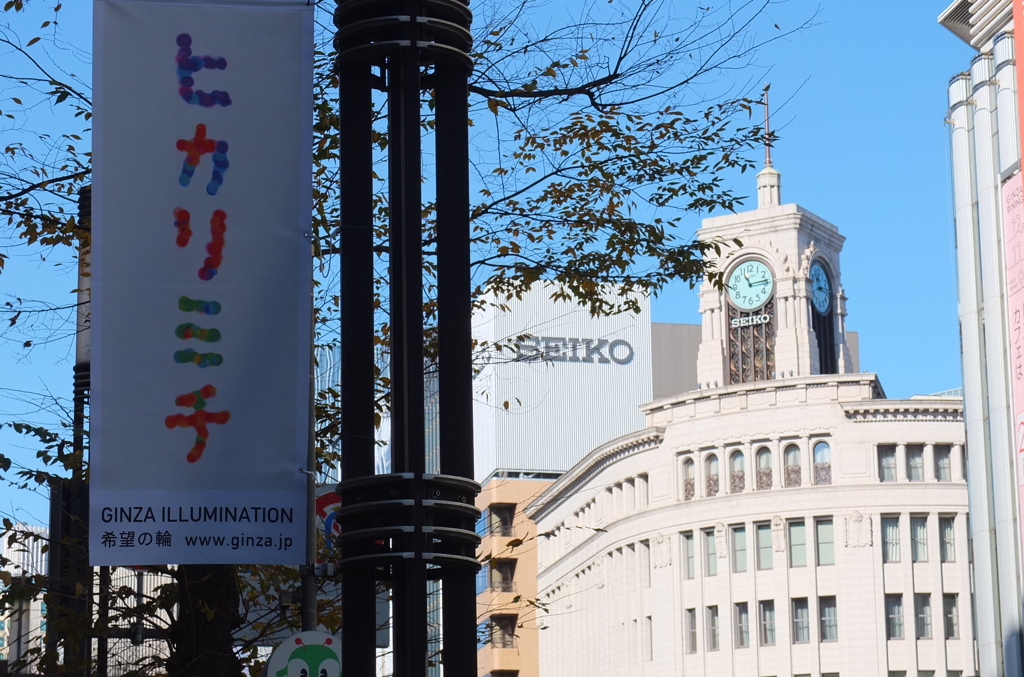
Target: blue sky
859, 101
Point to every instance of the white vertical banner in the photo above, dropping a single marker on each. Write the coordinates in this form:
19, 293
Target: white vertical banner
201, 281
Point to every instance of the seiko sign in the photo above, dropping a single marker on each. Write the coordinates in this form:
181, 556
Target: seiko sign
562, 349
748, 321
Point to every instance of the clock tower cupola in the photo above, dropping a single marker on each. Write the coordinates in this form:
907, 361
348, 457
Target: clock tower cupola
781, 312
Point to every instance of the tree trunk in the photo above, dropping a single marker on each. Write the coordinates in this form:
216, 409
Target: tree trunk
202, 637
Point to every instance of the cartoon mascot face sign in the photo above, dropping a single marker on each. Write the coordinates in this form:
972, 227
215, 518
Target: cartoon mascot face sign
307, 654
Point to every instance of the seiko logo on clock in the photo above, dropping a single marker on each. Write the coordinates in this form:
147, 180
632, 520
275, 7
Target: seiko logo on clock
748, 321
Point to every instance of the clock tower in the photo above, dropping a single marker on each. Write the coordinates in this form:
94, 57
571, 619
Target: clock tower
782, 311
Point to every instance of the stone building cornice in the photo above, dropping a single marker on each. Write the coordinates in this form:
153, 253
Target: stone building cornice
593, 463
887, 411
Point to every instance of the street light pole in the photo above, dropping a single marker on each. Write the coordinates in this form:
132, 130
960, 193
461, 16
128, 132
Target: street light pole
409, 526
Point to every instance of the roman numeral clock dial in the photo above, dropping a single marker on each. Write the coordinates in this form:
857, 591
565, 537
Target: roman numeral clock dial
750, 285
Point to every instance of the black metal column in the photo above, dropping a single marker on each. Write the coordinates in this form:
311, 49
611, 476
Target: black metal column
409, 526
357, 346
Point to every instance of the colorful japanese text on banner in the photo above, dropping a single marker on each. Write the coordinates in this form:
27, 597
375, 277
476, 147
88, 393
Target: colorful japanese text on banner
201, 281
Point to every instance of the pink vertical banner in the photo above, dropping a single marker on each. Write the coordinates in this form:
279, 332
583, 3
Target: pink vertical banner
1013, 240
201, 280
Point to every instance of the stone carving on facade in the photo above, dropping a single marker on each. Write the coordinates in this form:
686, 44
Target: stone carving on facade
688, 489
858, 531
711, 486
778, 534
781, 258
662, 552
721, 542
792, 476
805, 259
764, 479
737, 481
823, 473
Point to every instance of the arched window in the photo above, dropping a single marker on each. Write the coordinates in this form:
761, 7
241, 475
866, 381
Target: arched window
822, 463
688, 479
792, 471
737, 474
711, 476
764, 469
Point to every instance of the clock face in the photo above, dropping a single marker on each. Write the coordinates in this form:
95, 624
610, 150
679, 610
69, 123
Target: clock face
821, 289
750, 285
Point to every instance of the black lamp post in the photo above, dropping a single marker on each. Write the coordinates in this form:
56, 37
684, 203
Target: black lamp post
410, 526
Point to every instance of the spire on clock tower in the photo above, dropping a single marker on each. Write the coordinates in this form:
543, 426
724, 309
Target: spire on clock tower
769, 180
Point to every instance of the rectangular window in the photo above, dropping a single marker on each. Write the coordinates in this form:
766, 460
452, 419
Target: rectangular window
890, 539
829, 615
887, 462
826, 541
742, 621
689, 559
801, 621
503, 631
897, 673
482, 524
712, 625
766, 616
503, 572
647, 639
483, 581
894, 616
919, 539
943, 469
797, 544
947, 544
502, 518
739, 549
691, 631
915, 462
764, 546
645, 564
710, 555
950, 618
923, 615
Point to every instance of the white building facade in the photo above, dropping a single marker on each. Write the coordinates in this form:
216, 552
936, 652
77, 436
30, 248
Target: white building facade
784, 519
985, 148
555, 382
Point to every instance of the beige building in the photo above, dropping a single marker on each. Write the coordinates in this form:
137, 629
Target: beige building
785, 518
507, 583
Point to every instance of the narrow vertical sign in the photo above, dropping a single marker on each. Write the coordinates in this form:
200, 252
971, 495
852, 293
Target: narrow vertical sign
1013, 241
201, 280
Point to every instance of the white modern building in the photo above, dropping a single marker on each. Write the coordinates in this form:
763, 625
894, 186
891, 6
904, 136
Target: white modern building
784, 519
23, 624
555, 382
986, 151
